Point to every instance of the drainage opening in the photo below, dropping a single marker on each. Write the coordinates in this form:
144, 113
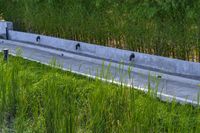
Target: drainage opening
132, 57
78, 46
38, 39
159, 77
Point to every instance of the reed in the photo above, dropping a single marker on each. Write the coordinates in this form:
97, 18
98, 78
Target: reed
167, 28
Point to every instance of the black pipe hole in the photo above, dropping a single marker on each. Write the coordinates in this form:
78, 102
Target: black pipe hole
78, 46
132, 56
38, 39
159, 77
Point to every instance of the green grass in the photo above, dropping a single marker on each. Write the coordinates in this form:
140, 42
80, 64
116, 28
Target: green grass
39, 98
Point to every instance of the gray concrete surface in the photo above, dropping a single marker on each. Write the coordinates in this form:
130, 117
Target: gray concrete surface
169, 86
156, 63
3, 26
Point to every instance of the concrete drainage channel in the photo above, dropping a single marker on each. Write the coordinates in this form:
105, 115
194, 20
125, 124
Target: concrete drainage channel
174, 79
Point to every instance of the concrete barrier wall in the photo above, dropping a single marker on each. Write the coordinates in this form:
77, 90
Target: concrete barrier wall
4, 25
152, 61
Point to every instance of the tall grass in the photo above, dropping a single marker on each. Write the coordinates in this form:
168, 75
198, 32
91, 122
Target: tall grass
168, 28
37, 98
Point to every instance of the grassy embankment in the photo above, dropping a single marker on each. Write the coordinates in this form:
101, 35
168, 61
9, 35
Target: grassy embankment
38, 98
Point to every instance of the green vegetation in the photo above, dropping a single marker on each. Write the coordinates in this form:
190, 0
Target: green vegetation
163, 27
38, 98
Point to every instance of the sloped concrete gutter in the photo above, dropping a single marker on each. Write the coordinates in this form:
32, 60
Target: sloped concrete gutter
173, 78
